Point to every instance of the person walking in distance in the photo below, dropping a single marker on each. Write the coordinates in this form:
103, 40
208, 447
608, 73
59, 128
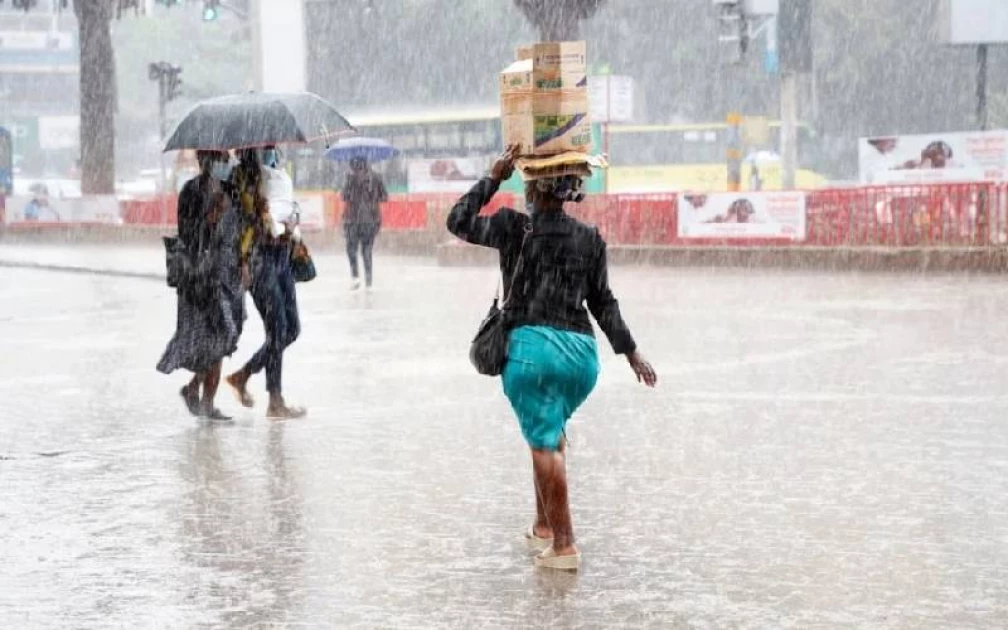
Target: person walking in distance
363, 193
552, 265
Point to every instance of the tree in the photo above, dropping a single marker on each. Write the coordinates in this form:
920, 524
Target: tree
97, 95
558, 20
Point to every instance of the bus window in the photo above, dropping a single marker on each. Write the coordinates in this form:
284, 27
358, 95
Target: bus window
807, 144
444, 138
662, 146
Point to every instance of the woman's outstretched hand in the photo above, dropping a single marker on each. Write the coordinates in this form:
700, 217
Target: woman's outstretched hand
503, 166
642, 369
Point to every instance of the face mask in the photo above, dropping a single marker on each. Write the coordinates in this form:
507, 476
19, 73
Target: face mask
569, 189
221, 170
270, 158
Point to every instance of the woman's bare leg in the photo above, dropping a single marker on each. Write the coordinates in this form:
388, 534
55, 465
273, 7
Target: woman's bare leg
211, 380
541, 527
190, 393
551, 478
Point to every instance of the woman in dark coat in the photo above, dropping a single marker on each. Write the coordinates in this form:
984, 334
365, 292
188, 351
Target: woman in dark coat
552, 359
210, 298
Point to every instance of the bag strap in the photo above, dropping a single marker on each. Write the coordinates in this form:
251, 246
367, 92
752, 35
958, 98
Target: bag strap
519, 264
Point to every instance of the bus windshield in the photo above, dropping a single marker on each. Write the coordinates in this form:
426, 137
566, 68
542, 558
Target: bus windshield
687, 144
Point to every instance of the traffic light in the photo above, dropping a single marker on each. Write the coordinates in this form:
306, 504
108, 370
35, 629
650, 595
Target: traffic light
174, 87
169, 79
169, 3
211, 10
733, 24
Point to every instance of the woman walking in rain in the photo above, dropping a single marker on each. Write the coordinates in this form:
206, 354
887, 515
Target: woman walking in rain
552, 266
267, 247
210, 302
362, 193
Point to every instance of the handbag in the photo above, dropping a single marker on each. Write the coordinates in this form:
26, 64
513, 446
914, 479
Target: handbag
302, 265
175, 260
488, 350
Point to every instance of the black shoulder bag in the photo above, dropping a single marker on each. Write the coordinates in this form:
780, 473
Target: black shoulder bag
488, 351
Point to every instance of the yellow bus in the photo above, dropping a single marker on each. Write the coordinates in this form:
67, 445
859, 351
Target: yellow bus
643, 158
662, 158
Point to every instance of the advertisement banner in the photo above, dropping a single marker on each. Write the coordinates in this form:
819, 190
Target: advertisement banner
312, 208
456, 175
934, 158
23, 51
49, 208
58, 132
742, 215
611, 98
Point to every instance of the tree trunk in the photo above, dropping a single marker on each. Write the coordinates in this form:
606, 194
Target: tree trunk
97, 96
558, 31
558, 20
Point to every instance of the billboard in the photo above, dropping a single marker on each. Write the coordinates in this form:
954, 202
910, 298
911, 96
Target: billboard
611, 98
932, 158
456, 175
968, 22
281, 51
748, 215
38, 51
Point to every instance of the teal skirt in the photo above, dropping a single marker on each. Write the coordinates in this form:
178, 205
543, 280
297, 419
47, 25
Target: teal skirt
549, 373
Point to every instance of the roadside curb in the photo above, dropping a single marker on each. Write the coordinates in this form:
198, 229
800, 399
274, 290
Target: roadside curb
114, 273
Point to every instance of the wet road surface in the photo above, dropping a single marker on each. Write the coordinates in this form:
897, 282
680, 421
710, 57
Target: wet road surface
822, 451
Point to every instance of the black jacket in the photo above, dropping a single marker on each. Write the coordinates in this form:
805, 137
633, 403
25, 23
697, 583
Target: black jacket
564, 266
363, 194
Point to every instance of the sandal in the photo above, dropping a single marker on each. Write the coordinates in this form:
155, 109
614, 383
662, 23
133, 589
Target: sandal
214, 414
535, 543
286, 413
191, 400
241, 393
549, 560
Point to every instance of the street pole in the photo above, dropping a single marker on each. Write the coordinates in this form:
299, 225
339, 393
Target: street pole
733, 153
608, 116
163, 132
255, 20
981, 108
789, 128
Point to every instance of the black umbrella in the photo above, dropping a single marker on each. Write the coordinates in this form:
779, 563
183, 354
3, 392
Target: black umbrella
243, 121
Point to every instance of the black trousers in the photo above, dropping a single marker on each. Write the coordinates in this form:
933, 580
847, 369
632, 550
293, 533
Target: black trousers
276, 300
360, 237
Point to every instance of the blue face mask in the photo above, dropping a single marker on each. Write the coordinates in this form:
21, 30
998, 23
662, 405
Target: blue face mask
221, 170
270, 158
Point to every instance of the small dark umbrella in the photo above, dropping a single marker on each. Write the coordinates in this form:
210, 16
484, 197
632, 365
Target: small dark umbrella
243, 121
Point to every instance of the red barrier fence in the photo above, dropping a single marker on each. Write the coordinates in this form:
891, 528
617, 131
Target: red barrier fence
954, 215
900, 216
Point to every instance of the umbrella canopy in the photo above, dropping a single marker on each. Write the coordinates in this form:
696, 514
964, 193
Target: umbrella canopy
371, 149
243, 121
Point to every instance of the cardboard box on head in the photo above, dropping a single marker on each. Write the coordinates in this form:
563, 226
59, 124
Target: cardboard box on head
556, 65
544, 99
546, 123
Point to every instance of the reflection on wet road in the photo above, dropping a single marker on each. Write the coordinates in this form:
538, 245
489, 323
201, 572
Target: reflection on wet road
823, 451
